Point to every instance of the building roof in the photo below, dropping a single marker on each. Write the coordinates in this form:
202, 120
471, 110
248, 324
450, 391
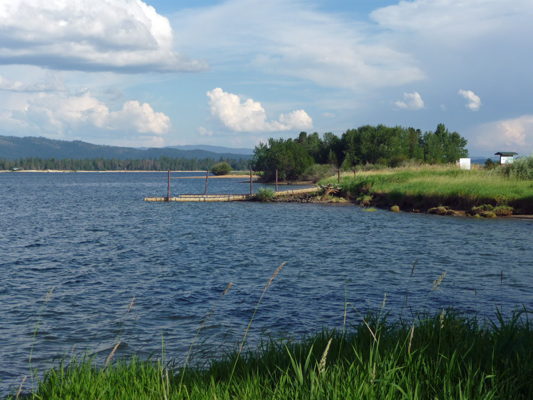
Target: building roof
506, 153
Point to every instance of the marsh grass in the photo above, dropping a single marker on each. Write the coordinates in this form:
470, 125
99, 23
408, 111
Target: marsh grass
425, 187
446, 355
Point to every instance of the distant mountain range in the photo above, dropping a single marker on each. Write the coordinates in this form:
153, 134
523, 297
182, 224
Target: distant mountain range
16, 147
215, 149
481, 160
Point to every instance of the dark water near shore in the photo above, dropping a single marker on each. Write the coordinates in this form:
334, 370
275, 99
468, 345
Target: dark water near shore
93, 238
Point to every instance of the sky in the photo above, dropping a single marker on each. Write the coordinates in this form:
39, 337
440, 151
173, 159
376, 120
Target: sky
237, 72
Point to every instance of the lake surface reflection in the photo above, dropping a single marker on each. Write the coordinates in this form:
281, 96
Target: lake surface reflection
93, 239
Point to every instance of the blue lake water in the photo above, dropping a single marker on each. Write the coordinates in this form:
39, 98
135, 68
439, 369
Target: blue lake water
92, 238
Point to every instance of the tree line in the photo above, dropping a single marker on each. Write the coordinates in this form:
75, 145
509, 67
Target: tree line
388, 146
162, 163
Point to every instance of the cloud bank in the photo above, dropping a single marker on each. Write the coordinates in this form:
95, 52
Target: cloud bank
507, 135
450, 20
474, 102
294, 39
250, 116
74, 116
96, 35
413, 101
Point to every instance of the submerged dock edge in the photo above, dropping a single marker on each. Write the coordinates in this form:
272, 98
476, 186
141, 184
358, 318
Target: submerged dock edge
229, 197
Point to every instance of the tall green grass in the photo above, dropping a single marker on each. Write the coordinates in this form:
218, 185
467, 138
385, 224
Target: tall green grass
446, 355
436, 356
426, 186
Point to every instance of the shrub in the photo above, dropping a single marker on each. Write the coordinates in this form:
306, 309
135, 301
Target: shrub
397, 161
521, 168
317, 172
265, 194
395, 209
222, 168
489, 164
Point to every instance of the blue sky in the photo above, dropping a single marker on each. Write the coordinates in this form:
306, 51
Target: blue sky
233, 73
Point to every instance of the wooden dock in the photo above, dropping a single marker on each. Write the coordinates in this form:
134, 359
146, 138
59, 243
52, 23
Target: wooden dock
225, 197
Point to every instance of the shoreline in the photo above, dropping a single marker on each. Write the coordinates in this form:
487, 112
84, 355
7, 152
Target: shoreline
364, 197
347, 201
440, 190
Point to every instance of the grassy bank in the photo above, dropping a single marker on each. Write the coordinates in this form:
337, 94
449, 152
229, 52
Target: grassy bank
444, 356
422, 188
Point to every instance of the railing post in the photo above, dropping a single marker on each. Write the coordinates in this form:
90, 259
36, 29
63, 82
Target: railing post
276, 180
206, 181
168, 187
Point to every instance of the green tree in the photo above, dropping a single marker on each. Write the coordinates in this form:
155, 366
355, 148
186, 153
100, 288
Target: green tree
222, 168
442, 146
289, 157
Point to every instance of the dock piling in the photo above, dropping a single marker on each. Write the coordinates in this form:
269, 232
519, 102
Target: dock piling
206, 181
168, 187
251, 184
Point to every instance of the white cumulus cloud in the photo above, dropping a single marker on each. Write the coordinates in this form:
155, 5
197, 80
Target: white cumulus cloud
96, 35
412, 101
250, 116
69, 115
507, 135
474, 102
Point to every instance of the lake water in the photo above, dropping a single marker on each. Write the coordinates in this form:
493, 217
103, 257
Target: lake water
92, 238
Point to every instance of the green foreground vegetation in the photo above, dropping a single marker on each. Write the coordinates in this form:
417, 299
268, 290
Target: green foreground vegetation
507, 189
446, 355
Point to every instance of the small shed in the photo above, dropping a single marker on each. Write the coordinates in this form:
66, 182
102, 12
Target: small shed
506, 157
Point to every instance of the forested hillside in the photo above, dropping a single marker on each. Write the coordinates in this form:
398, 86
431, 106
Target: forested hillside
31, 153
12, 148
114, 164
